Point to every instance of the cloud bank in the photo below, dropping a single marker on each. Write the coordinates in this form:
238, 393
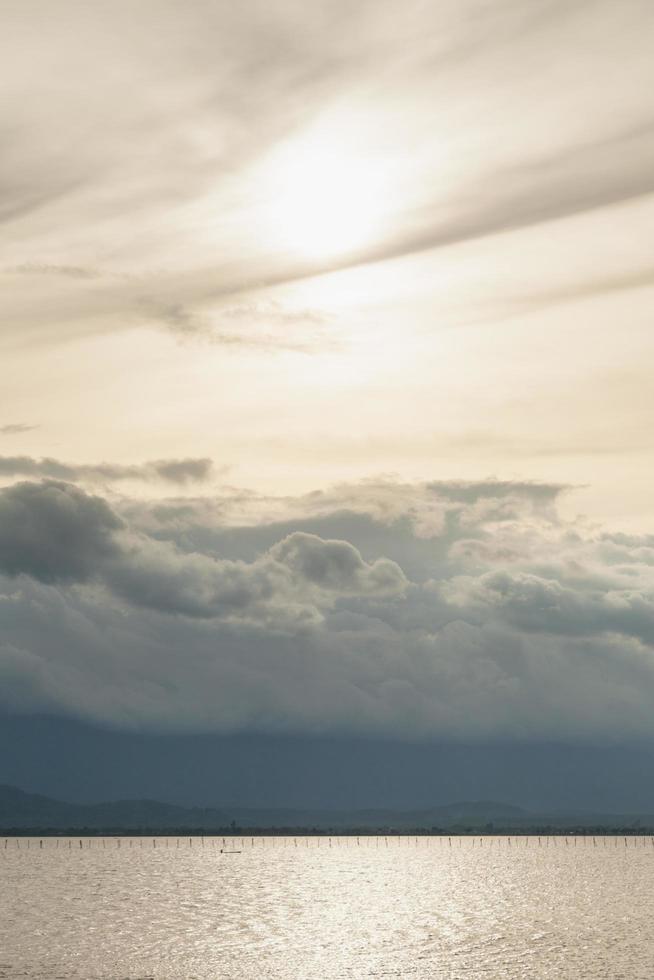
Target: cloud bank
457, 609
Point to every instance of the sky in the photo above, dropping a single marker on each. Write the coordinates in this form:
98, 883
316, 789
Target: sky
326, 406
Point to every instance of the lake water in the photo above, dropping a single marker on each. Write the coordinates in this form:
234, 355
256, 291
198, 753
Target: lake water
301, 909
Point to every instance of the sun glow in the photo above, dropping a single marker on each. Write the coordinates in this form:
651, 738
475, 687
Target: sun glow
326, 197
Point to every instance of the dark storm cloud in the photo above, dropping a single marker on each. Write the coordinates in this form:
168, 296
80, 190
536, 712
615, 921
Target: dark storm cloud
54, 532
378, 607
289, 584
545, 604
179, 471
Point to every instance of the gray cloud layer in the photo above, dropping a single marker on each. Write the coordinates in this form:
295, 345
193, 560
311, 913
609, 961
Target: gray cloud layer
459, 609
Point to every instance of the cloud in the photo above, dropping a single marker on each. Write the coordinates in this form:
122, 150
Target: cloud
503, 620
291, 584
140, 203
178, 471
54, 532
174, 171
337, 566
45, 269
180, 319
16, 429
182, 470
541, 604
267, 326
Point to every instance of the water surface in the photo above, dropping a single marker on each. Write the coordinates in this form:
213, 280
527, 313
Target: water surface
302, 909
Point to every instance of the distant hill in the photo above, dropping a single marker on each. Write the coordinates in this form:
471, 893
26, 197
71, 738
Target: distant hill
20, 810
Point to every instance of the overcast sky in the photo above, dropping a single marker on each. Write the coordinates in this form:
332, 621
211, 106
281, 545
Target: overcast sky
326, 347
